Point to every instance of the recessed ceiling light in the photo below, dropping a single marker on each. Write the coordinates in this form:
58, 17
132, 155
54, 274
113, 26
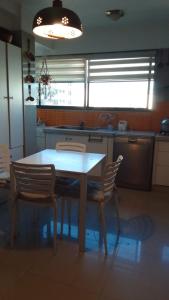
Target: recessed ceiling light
114, 14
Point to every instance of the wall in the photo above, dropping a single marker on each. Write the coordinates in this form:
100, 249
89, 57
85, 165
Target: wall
148, 121
116, 38
10, 15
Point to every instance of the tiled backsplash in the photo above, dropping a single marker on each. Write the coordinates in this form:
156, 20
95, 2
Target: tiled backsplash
148, 121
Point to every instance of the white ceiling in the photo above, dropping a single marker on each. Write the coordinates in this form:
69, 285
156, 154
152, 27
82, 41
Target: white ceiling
138, 13
92, 12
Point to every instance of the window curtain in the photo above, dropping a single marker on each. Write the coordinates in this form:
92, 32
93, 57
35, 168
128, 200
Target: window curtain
62, 70
125, 68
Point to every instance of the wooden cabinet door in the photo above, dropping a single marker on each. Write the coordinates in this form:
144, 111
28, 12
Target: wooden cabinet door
52, 139
4, 120
15, 96
161, 164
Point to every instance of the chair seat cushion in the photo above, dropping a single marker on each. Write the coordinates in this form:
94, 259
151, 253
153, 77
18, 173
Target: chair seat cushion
36, 198
65, 181
94, 191
4, 179
4, 175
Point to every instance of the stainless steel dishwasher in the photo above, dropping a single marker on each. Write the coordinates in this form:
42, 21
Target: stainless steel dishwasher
136, 168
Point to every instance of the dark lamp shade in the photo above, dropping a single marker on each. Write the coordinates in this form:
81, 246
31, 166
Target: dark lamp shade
57, 23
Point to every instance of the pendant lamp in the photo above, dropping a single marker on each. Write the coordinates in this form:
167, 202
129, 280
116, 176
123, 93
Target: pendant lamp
57, 22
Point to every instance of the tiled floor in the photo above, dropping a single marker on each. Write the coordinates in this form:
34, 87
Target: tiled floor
136, 268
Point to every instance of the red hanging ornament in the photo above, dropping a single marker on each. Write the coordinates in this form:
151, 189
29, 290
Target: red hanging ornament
45, 78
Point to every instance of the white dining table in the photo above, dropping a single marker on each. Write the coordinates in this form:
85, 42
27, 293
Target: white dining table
71, 164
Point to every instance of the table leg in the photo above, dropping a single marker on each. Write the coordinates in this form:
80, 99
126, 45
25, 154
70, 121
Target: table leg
103, 163
82, 211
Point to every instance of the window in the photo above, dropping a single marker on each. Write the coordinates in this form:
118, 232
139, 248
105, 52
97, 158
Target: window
66, 87
118, 81
121, 82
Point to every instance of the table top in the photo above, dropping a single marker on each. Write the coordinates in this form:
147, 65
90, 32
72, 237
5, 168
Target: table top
66, 161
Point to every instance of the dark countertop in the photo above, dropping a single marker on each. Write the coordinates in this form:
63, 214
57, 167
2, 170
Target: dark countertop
100, 131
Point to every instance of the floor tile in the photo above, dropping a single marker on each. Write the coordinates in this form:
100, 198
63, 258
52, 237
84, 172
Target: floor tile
136, 268
33, 286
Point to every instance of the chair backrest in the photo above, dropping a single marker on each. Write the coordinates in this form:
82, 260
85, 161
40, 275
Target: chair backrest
71, 146
4, 161
33, 179
110, 173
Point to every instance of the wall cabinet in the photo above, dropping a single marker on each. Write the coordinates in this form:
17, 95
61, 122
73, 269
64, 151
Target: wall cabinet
161, 163
11, 103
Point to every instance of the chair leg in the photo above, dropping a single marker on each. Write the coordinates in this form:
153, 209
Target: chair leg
54, 227
116, 201
62, 217
100, 226
13, 224
48, 225
69, 210
103, 225
78, 210
35, 222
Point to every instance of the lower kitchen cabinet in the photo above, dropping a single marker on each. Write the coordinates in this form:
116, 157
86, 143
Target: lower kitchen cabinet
52, 138
40, 139
94, 143
161, 163
100, 144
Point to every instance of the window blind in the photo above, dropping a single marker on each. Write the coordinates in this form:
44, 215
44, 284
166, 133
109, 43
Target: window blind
121, 69
62, 70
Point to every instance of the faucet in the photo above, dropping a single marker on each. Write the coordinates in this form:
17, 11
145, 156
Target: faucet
81, 125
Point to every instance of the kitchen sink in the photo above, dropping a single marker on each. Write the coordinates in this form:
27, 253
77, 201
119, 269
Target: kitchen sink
75, 127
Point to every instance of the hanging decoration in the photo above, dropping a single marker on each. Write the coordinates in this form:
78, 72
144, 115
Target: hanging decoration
44, 74
29, 56
45, 78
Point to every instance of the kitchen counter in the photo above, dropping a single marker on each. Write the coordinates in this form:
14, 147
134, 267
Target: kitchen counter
98, 131
162, 138
103, 140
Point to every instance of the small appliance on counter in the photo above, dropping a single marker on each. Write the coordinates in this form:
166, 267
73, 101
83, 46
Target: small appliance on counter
164, 126
122, 125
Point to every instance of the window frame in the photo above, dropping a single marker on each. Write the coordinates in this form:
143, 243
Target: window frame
87, 57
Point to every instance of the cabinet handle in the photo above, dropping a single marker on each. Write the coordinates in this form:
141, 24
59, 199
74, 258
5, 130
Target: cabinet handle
132, 140
95, 139
10, 98
68, 139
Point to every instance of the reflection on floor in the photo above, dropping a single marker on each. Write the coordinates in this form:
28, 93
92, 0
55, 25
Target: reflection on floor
137, 266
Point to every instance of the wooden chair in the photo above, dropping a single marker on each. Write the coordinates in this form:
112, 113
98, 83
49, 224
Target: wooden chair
4, 165
65, 182
70, 146
100, 192
34, 184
